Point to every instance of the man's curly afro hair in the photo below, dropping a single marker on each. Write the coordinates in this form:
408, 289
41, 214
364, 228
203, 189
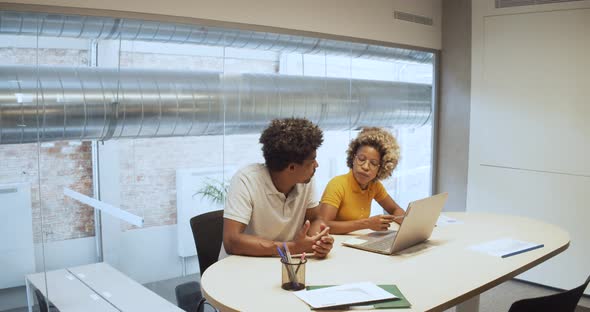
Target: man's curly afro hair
289, 140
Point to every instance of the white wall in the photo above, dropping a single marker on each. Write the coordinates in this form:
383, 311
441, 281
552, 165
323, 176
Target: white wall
146, 255
16, 234
529, 131
353, 18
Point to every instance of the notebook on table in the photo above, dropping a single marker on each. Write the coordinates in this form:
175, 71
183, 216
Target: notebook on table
400, 302
344, 295
416, 228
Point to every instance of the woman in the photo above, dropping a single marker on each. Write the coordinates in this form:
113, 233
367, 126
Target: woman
346, 202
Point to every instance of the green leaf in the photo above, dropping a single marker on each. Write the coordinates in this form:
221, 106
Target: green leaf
214, 190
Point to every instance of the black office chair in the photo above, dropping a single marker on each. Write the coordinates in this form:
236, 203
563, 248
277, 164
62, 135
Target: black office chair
566, 301
208, 235
43, 306
188, 296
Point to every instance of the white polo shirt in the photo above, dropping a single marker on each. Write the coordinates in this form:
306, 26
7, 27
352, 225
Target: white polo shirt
255, 201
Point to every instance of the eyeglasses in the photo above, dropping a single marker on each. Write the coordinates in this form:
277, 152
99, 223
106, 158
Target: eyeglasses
361, 160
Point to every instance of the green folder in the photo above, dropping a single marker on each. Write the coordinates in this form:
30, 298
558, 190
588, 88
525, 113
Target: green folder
400, 303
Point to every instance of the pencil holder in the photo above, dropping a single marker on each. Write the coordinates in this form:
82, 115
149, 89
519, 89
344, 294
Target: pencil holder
293, 274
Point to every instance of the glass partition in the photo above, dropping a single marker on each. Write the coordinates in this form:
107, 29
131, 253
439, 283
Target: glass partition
115, 132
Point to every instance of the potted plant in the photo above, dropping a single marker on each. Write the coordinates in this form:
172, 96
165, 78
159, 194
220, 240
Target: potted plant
214, 190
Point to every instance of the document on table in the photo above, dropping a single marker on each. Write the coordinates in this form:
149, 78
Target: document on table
505, 247
446, 220
343, 295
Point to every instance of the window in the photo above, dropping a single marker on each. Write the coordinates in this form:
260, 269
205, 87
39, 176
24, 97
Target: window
143, 115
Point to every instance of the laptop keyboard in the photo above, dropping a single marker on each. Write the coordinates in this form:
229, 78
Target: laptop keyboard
382, 244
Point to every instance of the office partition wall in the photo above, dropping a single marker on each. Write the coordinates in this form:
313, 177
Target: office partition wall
528, 152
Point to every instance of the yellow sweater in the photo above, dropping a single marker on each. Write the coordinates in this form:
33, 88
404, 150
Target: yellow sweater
352, 202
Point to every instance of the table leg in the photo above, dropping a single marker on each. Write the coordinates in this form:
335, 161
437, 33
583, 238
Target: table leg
469, 305
29, 300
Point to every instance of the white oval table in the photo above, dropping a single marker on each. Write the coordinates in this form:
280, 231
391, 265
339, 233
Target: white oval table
434, 276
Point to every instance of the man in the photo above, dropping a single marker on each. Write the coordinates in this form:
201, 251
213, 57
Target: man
271, 204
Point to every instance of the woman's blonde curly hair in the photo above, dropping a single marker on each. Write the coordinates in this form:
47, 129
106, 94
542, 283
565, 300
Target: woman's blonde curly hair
381, 140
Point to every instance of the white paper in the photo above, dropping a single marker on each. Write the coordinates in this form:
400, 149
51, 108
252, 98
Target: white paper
445, 220
343, 295
505, 247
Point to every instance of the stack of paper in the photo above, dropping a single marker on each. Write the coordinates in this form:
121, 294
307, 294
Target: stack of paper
343, 295
400, 302
505, 247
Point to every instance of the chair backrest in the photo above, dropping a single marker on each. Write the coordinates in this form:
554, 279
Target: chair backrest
208, 234
41, 301
566, 301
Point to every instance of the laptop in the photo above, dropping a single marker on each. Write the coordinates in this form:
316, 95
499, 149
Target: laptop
418, 224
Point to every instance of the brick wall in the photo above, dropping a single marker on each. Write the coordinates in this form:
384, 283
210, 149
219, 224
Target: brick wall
65, 57
148, 169
147, 176
61, 164
196, 62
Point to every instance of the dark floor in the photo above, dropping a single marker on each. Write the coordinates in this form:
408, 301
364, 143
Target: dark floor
502, 296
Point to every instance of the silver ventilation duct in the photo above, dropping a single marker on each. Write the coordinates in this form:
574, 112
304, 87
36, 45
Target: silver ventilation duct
51, 103
90, 27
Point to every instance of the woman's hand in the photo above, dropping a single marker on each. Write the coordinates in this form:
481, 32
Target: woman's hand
380, 222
